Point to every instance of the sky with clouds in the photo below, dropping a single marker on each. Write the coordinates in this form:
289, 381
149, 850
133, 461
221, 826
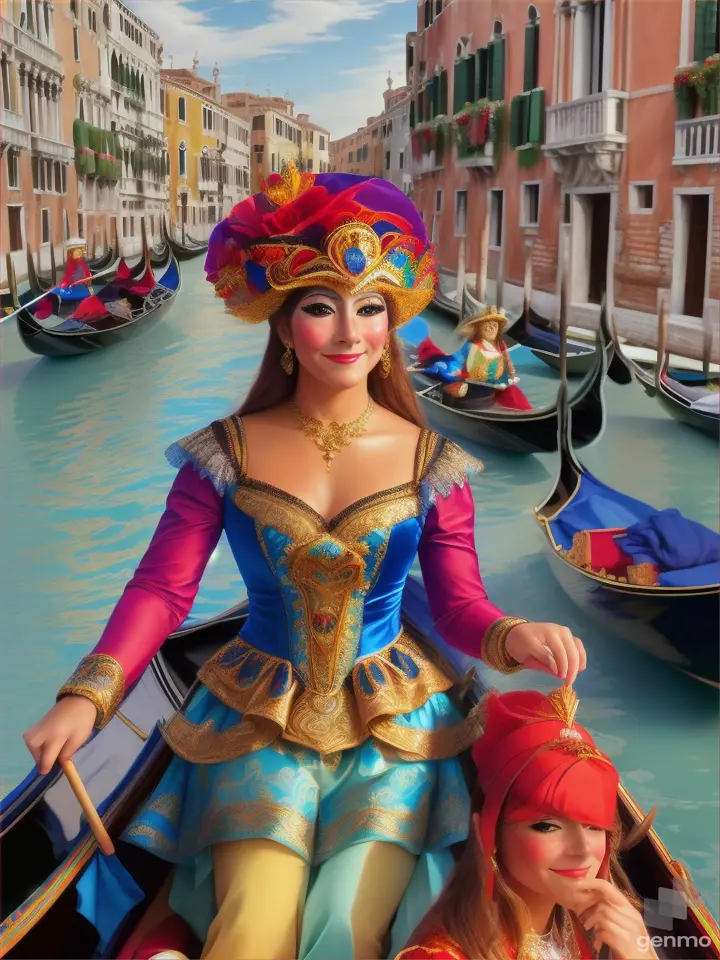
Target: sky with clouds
332, 57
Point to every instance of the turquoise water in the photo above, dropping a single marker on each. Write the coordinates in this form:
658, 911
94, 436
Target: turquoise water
83, 484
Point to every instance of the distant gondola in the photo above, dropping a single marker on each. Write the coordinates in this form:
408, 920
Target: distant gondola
111, 313
671, 614
477, 418
183, 251
40, 283
47, 851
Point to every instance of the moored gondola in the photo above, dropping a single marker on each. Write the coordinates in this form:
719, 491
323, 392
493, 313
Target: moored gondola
183, 251
477, 418
97, 317
647, 587
53, 887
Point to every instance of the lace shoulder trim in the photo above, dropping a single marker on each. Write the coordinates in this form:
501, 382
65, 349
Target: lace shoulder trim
216, 452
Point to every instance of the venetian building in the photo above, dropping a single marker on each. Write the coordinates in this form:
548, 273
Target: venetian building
36, 181
134, 53
584, 132
209, 150
97, 146
276, 133
360, 152
395, 136
314, 145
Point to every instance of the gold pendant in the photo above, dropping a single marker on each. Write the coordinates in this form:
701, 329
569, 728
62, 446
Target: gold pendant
332, 437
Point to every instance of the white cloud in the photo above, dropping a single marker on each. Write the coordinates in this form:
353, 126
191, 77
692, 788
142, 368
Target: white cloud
357, 92
184, 29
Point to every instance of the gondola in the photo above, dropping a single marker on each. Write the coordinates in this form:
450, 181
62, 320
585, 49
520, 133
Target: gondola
672, 615
47, 850
40, 282
110, 314
477, 418
183, 251
681, 392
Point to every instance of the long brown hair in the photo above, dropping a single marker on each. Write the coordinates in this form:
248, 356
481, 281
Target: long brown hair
273, 386
479, 925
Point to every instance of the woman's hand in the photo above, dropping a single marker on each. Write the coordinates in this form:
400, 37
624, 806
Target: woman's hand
61, 732
610, 918
547, 647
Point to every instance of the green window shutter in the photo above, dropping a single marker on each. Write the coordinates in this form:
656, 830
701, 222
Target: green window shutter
532, 31
412, 114
470, 78
497, 70
430, 98
458, 102
481, 72
444, 92
515, 122
706, 28
421, 106
537, 116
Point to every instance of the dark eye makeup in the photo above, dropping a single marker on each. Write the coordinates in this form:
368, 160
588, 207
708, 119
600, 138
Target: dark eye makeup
319, 308
543, 826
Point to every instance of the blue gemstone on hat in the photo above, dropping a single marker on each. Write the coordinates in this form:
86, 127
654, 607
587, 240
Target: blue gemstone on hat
355, 260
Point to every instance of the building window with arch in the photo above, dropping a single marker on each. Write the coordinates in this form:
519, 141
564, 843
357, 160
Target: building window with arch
532, 50
182, 159
76, 42
106, 16
181, 109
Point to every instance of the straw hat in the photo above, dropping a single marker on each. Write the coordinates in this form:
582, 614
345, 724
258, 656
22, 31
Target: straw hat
496, 314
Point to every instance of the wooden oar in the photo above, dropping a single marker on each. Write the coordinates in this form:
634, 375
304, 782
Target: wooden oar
88, 808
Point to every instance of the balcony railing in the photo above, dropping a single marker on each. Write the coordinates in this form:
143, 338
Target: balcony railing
697, 141
14, 130
427, 164
38, 51
598, 119
476, 156
53, 148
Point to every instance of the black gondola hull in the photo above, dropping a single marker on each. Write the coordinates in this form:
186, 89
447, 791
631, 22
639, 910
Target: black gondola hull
676, 626
682, 412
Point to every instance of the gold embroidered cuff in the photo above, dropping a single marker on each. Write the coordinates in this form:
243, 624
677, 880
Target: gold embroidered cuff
493, 645
100, 678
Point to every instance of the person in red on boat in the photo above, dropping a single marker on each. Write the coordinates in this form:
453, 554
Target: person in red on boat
539, 878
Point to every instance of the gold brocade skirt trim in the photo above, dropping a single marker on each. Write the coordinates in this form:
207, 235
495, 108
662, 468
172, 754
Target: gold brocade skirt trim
273, 704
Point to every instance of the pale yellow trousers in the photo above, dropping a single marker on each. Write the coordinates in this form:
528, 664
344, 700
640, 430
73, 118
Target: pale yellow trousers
261, 888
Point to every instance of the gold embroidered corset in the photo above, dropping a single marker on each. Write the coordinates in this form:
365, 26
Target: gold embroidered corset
322, 658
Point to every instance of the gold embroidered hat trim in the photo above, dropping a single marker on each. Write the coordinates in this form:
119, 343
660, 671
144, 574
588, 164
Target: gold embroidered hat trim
100, 679
273, 703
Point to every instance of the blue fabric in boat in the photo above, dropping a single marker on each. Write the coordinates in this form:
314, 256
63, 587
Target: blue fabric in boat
106, 894
703, 576
671, 542
596, 506
72, 326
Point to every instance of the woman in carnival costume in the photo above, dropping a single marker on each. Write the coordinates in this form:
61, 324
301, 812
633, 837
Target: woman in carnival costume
483, 358
539, 878
315, 788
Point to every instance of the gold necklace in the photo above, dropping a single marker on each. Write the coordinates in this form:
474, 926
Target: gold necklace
333, 436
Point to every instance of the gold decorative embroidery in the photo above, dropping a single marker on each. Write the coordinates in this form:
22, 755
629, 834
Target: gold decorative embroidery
158, 842
262, 819
565, 703
415, 743
493, 651
291, 185
643, 573
407, 828
100, 679
434, 946
263, 689
427, 446
236, 440
168, 805
580, 554
450, 468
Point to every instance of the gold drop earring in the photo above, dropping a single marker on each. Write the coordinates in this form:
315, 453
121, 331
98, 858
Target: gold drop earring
287, 361
385, 360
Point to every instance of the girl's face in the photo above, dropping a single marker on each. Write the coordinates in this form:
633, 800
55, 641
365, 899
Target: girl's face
338, 338
547, 858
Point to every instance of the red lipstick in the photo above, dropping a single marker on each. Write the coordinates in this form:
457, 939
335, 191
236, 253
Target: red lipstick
343, 357
577, 874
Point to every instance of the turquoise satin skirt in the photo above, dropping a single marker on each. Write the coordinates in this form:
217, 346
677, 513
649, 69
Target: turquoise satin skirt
287, 793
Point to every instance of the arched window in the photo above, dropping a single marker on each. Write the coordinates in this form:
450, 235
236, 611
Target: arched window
114, 67
142, 88
73, 8
106, 16
532, 50
497, 30
182, 159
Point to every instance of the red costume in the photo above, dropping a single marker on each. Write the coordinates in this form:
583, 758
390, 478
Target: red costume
533, 763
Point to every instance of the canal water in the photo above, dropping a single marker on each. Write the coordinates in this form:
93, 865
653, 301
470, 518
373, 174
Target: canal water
83, 483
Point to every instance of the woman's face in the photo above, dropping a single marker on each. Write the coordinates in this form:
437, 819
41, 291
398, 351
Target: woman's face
337, 338
547, 858
489, 330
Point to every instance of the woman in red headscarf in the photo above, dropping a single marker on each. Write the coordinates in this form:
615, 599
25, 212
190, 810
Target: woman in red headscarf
539, 878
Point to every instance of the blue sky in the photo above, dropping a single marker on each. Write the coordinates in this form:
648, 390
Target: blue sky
331, 56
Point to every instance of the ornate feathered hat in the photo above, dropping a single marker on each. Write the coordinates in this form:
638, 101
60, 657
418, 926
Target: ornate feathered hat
533, 762
336, 229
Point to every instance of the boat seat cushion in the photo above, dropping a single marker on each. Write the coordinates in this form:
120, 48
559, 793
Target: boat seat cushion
600, 552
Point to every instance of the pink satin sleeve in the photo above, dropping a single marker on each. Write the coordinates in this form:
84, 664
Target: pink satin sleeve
448, 559
161, 592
